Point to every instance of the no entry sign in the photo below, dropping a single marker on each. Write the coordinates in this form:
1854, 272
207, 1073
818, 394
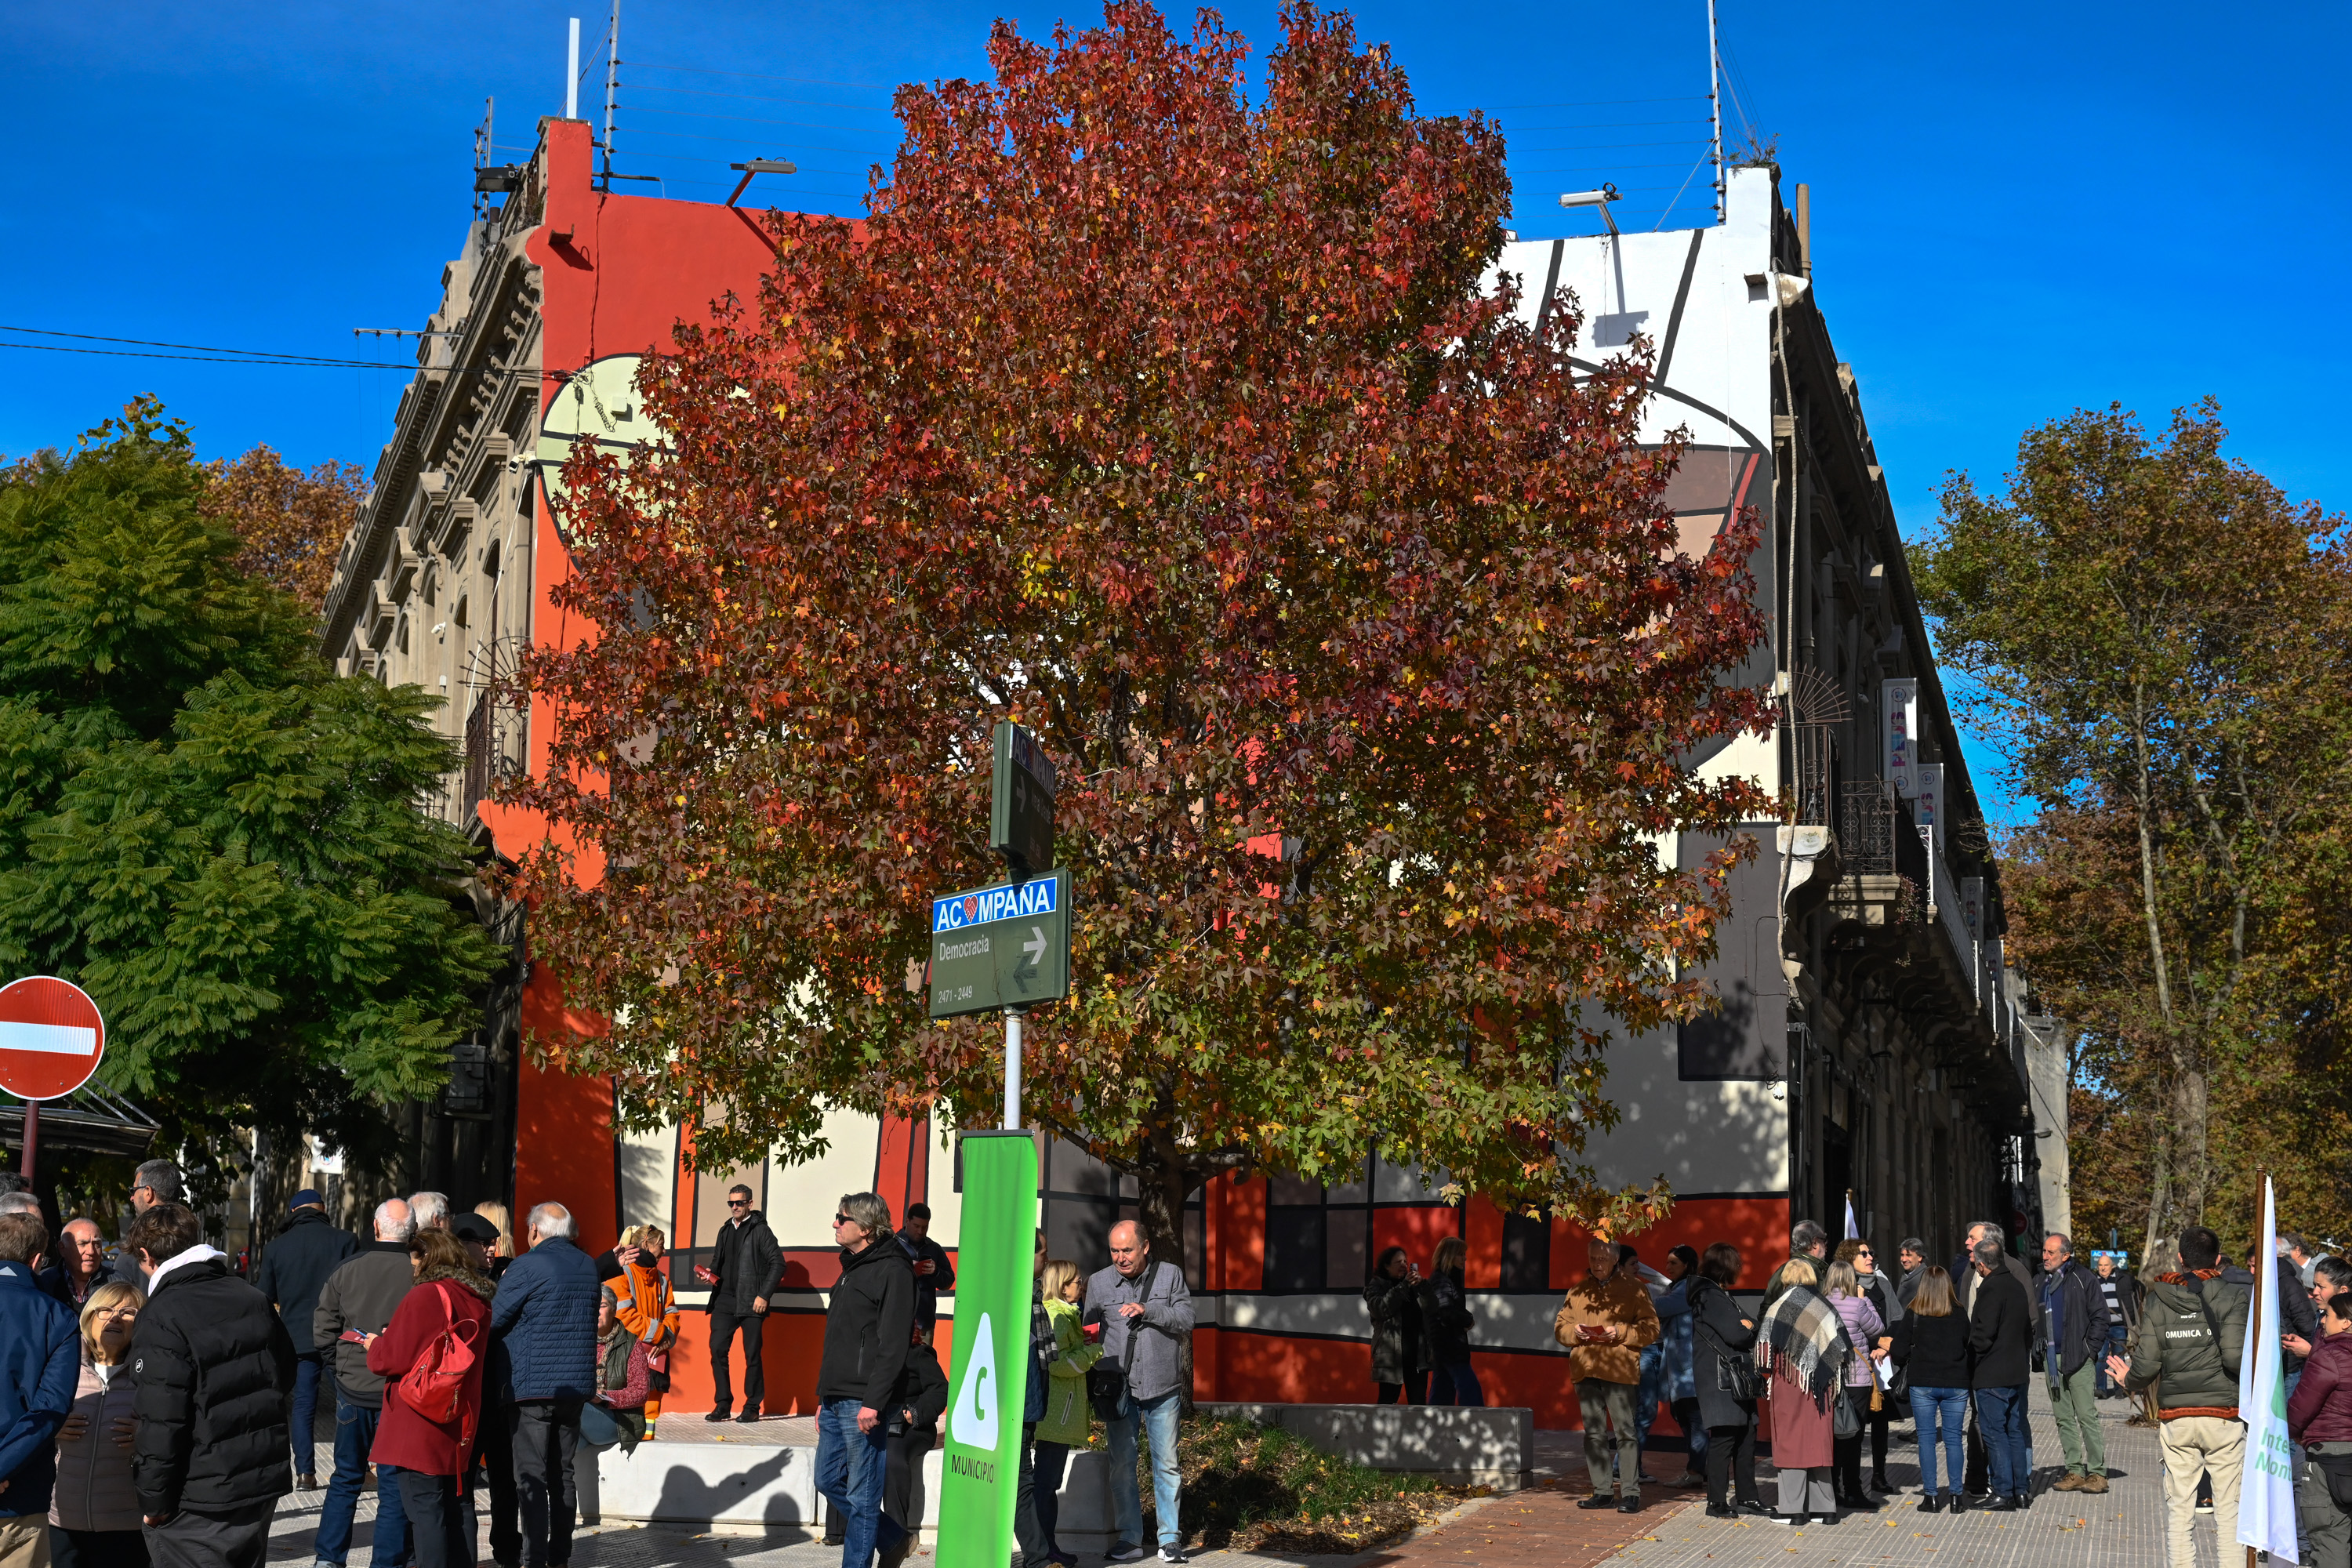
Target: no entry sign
51, 1037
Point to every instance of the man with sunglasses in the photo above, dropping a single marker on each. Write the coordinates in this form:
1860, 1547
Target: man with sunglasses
745, 1268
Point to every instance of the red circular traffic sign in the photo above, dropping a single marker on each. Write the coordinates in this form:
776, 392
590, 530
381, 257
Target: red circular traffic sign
51, 1037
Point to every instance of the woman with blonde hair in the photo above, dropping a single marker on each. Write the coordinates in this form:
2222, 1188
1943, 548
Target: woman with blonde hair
1864, 1327
94, 1513
1802, 1350
643, 1304
1068, 1419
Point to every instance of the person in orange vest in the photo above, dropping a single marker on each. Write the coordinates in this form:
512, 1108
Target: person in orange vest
642, 1301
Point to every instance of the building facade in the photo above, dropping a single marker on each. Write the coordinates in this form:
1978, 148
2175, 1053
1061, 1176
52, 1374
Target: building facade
1868, 1051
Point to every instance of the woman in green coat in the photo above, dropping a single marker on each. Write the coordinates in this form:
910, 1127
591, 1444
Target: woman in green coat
1067, 1419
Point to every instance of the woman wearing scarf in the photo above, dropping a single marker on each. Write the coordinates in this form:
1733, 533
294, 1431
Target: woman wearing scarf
1802, 1350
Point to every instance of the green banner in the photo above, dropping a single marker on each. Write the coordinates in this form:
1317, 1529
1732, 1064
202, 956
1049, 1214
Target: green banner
988, 1378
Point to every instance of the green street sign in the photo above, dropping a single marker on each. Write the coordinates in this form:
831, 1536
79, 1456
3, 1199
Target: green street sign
1021, 802
988, 1376
1001, 946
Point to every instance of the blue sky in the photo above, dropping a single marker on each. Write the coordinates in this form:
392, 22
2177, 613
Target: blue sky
2016, 210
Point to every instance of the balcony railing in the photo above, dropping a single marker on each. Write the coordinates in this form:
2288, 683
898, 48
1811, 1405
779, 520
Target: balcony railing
1877, 837
481, 752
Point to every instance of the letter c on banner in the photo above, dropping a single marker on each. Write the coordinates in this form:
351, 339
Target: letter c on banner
974, 1422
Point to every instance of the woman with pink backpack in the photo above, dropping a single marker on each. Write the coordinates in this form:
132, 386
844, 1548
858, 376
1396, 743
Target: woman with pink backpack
430, 1357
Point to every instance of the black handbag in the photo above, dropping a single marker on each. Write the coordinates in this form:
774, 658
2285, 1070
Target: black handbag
1107, 1386
1845, 1421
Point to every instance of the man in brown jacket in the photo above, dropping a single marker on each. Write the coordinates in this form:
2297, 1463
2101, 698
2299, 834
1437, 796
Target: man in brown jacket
1605, 1321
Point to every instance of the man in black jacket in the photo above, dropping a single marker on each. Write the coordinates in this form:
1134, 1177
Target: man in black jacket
294, 1269
2000, 1345
745, 1268
934, 1271
214, 1369
1964, 1286
868, 1328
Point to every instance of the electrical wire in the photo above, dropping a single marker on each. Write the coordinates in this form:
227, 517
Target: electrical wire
261, 355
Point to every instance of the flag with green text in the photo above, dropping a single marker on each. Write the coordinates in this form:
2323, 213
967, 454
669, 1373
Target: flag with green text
988, 1381
2266, 1519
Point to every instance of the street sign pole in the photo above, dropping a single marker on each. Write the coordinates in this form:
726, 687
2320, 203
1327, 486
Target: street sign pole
32, 1137
1013, 1068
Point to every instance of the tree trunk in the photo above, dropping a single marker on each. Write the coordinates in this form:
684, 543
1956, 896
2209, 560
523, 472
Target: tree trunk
1162, 1181
2160, 1197
2189, 1105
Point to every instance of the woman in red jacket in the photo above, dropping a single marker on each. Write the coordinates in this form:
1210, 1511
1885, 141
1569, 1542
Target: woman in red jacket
449, 1298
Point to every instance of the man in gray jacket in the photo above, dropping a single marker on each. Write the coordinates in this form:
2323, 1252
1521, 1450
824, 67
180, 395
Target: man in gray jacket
359, 1298
1147, 1318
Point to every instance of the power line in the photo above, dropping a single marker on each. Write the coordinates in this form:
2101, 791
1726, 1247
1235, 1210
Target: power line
213, 359
271, 355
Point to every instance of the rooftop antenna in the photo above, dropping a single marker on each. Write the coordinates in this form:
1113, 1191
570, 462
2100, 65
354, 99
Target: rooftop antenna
1715, 104
572, 74
612, 84
484, 138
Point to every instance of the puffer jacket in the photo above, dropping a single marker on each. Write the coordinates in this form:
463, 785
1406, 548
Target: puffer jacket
545, 1313
38, 1353
2321, 1410
215, 1372
1617, 1302
94, 1489
2192, 1335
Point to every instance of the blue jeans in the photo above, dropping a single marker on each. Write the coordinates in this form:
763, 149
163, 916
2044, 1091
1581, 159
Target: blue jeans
1950, 1408
1455, 1386
1651, 1389
850, 1469
1158, 1419
2118, 1343
2001, 1418
354, 1436
306, 1413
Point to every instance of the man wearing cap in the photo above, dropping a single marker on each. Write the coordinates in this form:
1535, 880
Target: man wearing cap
294, 1268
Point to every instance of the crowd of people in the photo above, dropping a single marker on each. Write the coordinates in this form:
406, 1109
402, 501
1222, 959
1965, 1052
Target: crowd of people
157, 1418
154, 1410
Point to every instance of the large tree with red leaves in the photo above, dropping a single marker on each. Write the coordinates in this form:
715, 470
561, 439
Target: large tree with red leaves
1194, 434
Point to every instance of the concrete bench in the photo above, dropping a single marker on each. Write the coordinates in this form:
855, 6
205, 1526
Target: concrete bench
1448, 1443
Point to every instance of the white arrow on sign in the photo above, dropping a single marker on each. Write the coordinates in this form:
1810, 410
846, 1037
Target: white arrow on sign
1035, 946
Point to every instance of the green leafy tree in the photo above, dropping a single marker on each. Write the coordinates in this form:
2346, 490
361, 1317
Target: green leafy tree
2152, 627
206, 829
1190, 432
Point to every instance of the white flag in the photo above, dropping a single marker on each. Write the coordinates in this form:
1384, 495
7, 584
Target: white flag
2266, 1496
1851, 1228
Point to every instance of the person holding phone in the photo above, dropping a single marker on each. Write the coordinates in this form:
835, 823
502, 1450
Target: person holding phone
1392, 1298
745, 1268
1605, 1320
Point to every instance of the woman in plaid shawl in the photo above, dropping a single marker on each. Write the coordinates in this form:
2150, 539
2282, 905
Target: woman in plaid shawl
1802, 1350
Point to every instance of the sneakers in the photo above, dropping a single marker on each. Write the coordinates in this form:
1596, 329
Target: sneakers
2094, 1482
1125, 1552
1173, 1554
1797, 1520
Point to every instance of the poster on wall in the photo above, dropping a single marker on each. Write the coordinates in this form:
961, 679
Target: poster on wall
1927, 806
1899, 736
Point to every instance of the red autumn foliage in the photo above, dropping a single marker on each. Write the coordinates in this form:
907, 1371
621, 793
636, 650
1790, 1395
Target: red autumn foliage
1196, 434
